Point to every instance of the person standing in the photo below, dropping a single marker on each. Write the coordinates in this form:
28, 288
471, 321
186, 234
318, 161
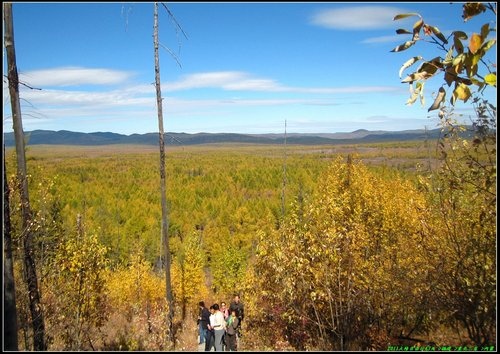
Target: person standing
224, 310
210, 341
232, 324
219, 328
238, 306
203, 322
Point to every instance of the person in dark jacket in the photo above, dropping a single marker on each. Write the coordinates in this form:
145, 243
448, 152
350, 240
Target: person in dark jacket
203, 322
210, 340
238, 306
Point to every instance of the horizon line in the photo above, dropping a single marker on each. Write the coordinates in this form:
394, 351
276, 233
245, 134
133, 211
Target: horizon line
222, 132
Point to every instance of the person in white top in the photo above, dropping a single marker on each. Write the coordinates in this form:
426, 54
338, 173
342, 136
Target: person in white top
219, 328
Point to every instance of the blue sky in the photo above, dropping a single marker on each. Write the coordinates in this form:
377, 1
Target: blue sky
245, 67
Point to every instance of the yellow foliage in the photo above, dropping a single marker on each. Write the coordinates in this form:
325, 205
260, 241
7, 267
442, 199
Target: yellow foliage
138, 296
133, 287
188, 277
77, 286
355, 250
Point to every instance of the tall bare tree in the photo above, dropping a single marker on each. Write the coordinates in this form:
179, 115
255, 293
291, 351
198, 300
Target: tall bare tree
163, 183
37, 319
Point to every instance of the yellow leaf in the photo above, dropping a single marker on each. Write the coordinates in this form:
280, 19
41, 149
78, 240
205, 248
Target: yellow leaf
403, 46
458, 59
486, 46
416, 29
475, 43
462, 92
491, 79
401, 16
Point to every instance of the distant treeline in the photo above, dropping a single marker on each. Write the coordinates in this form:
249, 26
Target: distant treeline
64, 137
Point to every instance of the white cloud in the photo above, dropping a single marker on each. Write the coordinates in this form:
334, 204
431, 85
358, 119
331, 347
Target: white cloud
226, 80
126, 94
62, 103
64, 98
89, 107
73, 76
357, 18
241, 81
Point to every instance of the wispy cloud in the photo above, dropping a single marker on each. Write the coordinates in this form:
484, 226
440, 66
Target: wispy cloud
225, 80
83, 96
242, 81
73, 76
51, 80
356, 18
79, 103
63, 98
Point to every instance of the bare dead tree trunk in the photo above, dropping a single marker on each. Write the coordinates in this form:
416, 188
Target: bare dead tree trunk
9, 286
28, 235
283, 189
164, 210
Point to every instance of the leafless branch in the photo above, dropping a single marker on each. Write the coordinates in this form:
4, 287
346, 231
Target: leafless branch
492, 7
32, 115
126, 16
23, 83
172, 54
177, 25
28, 102
174, 138
178, 29
30, 87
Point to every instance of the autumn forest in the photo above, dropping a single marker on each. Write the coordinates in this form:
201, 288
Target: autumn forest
376, 246
366, 231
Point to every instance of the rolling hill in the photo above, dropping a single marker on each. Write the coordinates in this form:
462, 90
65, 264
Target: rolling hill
64, 137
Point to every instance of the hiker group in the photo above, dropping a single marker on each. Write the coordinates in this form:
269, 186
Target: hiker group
219, 326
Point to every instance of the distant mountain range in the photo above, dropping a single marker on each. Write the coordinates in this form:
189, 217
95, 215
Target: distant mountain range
64, 137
